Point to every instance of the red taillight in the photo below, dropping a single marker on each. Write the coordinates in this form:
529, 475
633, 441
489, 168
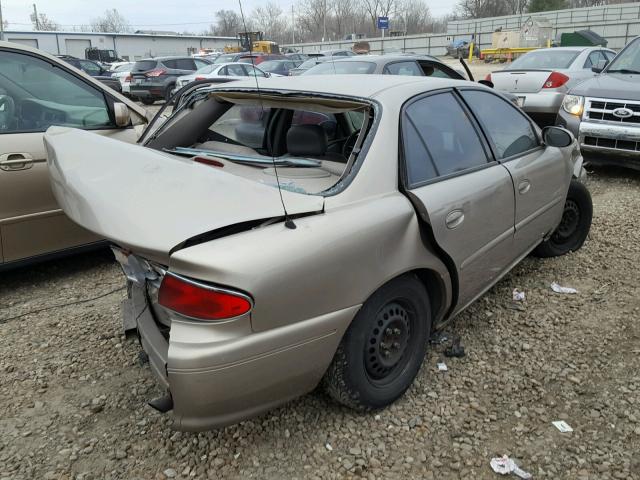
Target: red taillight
555, 80
156, 72
200, 78
488, 77
200, 301
127, 79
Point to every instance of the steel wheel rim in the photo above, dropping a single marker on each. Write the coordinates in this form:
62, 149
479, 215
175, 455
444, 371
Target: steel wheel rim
389, 342
568, 223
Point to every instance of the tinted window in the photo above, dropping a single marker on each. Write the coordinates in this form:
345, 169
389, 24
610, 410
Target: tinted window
35, 94
594, 59
325, 120
403, 68
144, 65
509, 130
439, 139
185, 64
253, 71
347, 67
432, 69
609, 55
200, 63
547, 58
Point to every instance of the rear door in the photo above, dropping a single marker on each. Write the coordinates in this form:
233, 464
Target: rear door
539, 174
465, 196
38, 93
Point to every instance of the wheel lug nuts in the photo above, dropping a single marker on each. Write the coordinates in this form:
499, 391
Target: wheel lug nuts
396, 345
383, 345
396, 331
388, 331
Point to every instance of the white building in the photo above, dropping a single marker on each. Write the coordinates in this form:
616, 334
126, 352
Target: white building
129, 46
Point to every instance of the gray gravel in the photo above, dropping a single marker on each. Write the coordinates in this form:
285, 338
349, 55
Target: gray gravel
73, 392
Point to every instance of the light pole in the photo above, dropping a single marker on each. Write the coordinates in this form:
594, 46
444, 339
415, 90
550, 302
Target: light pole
324, 20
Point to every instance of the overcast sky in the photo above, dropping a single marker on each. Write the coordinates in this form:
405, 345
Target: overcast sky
176, 15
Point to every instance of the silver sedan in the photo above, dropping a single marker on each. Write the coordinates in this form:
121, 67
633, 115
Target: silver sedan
541, 78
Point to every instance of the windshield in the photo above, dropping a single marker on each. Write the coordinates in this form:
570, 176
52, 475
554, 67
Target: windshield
628, 59
330, 68
206, 69
544, 59
225, 58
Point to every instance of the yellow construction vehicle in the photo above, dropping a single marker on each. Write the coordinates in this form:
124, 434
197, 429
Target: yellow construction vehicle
253, 41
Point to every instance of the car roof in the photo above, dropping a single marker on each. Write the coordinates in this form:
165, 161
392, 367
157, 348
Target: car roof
159, 59
568, 49
353, 86
384, 59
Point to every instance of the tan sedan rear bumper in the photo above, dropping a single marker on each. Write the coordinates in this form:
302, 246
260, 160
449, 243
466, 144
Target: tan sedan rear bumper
231, 373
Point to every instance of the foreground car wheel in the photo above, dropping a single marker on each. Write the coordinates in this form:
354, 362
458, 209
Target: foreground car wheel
383, 348
574, 226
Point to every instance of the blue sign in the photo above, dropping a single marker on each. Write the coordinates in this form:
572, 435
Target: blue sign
383, 23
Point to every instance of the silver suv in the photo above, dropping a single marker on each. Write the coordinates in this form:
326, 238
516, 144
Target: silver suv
604, 112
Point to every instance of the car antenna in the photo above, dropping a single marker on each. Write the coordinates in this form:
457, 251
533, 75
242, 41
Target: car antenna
288, 221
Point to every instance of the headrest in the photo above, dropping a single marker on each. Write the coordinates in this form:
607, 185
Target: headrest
306, 140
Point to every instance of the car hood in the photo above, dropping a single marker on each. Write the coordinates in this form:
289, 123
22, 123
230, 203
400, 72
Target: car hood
152, 202
612, 85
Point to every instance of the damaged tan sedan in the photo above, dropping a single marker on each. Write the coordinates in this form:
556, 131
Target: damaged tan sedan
316, 230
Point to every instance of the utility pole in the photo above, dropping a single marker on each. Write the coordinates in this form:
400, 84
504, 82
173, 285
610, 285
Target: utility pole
35, 15
324, 20
1, 23
293, 26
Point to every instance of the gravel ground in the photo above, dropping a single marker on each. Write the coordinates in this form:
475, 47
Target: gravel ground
74, 392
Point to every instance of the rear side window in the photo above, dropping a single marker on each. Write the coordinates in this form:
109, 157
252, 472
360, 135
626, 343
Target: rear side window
144, 65
185, 64
439, 139
403, 68
509, 130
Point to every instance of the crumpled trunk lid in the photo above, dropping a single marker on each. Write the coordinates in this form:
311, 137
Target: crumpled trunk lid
151, 202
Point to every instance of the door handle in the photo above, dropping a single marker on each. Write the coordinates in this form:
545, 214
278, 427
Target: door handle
16, 161
454, 219
524, 186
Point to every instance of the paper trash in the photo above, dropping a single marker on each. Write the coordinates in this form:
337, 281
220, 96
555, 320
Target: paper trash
504, 466
562, 426
442, 366
518, 296
558, 289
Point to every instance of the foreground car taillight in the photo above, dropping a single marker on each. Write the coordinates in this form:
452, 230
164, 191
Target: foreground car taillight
156, 73
200, 301
488, 77
555, 80
127, 79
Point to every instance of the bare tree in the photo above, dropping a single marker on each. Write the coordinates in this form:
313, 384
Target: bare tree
482, 8
228, 24
271, 20
111, 22
312, 17
43, 23
342, 16
377, 8
411, 16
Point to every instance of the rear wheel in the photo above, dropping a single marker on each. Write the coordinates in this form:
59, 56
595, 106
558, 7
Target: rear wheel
383, 348
147, 100
574, 226
167, 93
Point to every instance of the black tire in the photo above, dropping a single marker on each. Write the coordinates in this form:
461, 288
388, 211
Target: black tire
383, 348
167, 93
147, 100
574, 226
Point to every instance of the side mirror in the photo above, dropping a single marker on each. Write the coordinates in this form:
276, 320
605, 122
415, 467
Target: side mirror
557, 137
267, 74
596, 69
121, 114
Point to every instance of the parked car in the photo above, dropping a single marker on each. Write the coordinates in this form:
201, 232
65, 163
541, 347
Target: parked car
38, 90
279, 67
604, 112
93, 69
541, 78
229, 57
412, 65
337, 52
116, 65
459, 48
155, 78
307, 64
297, 57
123, 74
449, 203
236, 70
258, 58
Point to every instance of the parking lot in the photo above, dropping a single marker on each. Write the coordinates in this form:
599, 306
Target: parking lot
75, 391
